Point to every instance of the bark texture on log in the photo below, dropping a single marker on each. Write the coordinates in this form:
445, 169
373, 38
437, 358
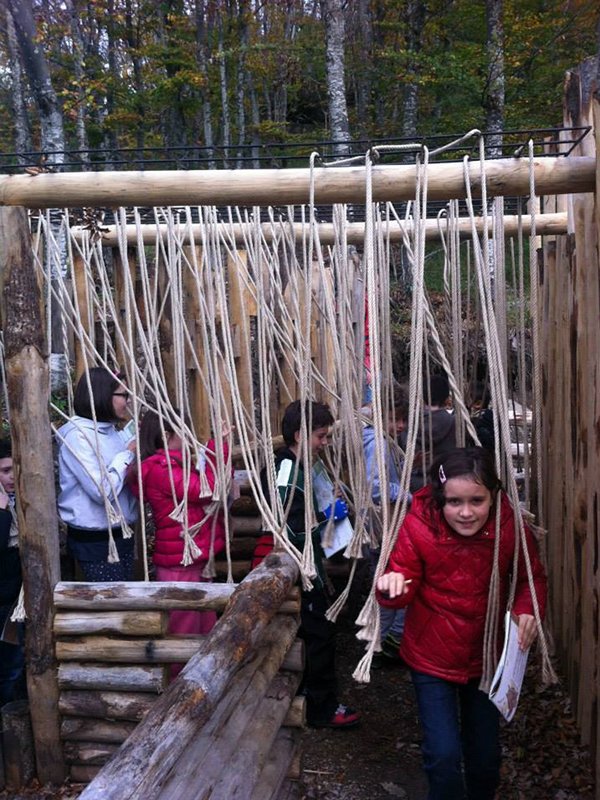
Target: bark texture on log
126, 623
219, 742
89, 753
109, 705
151, 751
168, 596
128, 651
135, 595
28, 395
505, 177
119, 678
88, 729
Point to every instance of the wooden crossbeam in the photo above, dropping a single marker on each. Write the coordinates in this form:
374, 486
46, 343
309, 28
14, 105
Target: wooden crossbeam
244, 187
545, 225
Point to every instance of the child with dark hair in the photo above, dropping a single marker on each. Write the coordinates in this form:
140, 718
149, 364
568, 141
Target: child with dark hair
482, 416
440, 570
164, 486
438, 434
12, 660
323, 710
92, 464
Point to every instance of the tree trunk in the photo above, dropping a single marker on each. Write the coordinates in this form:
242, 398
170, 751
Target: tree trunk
27, 380
80, 83
224, 99
201, 60
241, 77
494, 94
336, 75
36, 67
363, 76
22, 130
110, 133
133, 42
415, 19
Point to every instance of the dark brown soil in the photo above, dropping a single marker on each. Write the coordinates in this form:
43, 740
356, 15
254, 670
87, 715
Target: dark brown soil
381, 759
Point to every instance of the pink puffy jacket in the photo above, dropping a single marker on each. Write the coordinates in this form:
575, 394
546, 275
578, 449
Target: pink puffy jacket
158, 493
448, 594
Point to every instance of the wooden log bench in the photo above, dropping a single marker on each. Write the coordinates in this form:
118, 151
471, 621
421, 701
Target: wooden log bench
227, 726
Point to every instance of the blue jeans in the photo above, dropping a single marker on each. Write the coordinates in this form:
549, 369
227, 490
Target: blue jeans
460, 730
392, 622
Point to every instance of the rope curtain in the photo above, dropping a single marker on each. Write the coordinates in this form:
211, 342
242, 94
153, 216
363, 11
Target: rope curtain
163, 312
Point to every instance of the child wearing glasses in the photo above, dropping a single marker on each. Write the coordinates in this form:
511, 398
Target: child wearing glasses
94, 501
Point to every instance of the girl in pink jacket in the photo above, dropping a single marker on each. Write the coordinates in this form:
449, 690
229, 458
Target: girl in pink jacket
165, 488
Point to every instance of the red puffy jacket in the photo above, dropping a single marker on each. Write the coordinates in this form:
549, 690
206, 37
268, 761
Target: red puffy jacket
448, 594
158, 493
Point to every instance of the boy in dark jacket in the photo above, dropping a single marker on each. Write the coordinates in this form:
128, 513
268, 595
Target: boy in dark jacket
319, 683
12, 659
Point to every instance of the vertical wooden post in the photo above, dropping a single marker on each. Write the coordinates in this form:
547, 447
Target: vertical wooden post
199, 402
242, 309
121, 290
28, 392
86, 319
165, 326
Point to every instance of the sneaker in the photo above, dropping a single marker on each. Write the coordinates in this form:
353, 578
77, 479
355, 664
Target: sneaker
344, 717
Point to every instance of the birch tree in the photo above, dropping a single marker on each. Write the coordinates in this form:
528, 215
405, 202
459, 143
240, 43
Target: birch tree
203, 30
38, 74
494, 90
339, 127
415, 20
21, 121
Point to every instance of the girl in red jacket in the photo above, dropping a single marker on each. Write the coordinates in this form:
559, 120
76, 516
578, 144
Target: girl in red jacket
441, 568
164, 488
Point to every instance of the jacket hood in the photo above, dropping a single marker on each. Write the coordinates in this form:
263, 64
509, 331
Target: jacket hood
441, 424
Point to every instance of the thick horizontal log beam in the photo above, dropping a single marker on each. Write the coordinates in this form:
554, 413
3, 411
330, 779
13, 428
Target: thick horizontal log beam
545, 225
246, 187
126, 623
108, 705
170, 650
84, 729
89, 754
140, 596
119, 678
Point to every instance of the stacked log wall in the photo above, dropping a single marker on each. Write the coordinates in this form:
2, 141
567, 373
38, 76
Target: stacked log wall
113, 652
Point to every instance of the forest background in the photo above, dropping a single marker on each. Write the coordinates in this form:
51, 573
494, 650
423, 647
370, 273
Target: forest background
108, 84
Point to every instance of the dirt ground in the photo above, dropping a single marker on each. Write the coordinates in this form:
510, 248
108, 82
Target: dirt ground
381, 759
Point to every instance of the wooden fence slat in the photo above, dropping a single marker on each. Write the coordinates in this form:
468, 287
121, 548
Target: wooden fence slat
127, 623
135, 595
116, 678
